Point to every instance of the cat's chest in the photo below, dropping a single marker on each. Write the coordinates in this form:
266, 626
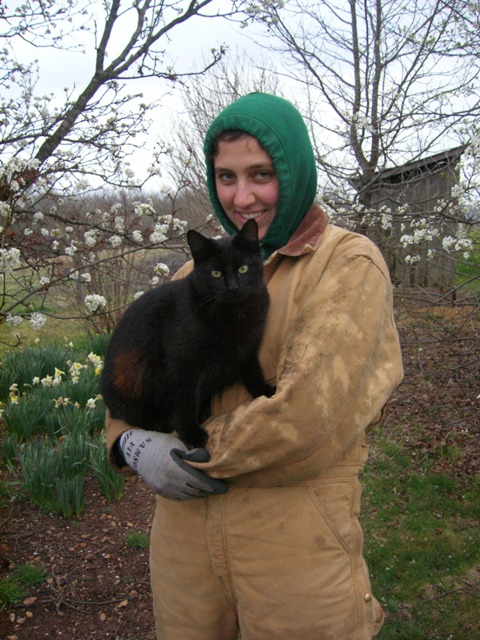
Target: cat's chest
225, 337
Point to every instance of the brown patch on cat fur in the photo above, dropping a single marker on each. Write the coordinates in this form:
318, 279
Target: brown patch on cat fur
128, 370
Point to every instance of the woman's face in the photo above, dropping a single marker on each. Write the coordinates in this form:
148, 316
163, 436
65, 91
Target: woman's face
246, 183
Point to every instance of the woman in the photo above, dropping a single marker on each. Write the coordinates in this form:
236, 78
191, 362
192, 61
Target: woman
278, 555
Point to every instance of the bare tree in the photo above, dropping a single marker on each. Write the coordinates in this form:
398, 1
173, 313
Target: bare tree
234, 76
386, 82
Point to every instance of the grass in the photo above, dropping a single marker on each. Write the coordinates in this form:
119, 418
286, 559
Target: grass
422, 546
137, 540
16, 586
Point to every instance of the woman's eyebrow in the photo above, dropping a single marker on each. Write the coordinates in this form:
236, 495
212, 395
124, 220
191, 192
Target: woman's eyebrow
260, 165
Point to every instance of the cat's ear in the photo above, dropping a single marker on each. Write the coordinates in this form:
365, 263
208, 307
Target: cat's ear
249, 233
200, 246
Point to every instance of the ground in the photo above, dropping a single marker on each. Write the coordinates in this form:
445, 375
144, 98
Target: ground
98, 587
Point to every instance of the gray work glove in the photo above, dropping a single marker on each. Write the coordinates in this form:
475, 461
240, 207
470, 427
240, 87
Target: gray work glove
159, 458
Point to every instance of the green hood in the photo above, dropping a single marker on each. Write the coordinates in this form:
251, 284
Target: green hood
280, 128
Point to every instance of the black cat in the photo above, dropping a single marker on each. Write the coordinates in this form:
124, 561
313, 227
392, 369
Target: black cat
180, 344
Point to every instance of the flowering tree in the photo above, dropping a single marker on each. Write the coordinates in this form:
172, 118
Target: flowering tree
387, 82
51, 145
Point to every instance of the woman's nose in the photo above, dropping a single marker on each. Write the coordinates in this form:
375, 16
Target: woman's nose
244, 196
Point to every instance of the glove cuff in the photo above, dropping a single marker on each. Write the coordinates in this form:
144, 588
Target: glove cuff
117, 453
123, 439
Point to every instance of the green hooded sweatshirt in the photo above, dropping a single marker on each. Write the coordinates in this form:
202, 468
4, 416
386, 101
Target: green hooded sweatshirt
281, 130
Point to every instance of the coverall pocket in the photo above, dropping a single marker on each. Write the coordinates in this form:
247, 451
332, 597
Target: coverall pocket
337, 502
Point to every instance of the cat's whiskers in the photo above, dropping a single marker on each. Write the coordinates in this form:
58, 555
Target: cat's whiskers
209, 304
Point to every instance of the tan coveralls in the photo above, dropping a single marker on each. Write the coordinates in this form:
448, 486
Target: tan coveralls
280, 554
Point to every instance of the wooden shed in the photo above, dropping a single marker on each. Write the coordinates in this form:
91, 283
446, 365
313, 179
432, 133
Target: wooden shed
423, 185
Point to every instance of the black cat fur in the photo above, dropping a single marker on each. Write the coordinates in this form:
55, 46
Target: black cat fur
180, 344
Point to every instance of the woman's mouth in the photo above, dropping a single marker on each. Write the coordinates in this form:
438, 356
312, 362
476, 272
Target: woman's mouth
250, 216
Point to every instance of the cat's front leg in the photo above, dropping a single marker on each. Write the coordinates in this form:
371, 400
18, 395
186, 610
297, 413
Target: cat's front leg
195, 438
254, 380
185, 423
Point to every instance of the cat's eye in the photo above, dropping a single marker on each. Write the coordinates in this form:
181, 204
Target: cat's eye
217, 274
243, 268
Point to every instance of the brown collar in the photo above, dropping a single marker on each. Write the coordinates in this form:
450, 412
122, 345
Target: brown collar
308, 234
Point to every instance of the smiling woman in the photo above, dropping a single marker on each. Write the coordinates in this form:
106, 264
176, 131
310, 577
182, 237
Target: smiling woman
246, 182
280, 554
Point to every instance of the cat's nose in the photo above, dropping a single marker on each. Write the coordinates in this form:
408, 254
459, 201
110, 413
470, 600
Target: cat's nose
232, 285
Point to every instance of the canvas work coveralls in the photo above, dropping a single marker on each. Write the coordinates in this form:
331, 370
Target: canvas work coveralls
280, 556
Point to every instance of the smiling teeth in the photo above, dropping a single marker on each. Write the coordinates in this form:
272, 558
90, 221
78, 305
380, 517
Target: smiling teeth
250, 216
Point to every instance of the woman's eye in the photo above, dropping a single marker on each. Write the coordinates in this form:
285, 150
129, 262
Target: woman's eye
243, 268
217, 274
264, 176
226, 177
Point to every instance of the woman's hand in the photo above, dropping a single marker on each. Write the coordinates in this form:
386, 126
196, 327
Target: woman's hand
161, 460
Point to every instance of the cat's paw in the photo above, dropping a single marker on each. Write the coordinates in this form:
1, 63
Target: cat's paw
196, 439
269, 390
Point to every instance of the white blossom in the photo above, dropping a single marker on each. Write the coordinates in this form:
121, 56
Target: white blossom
10, 259
74, 370
157, 237
72, 249
90, 405
47, 381
448, 242
161, 269
179, 225
38, 320
463, 244
90, 237
96, 361
412, 259
142, 208
95, 302
13, 321
115, 241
